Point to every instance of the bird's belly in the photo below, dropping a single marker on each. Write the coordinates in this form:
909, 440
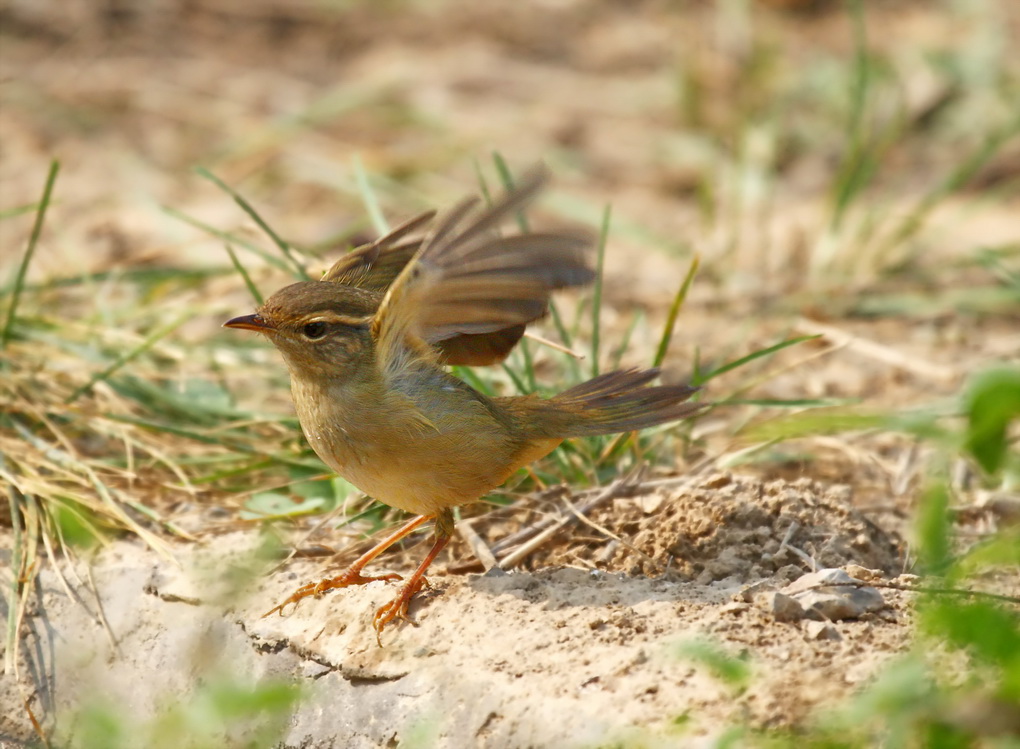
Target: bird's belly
423, 477
416, 457
417, 469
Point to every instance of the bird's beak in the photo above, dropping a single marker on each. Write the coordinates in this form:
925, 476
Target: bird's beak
250, 322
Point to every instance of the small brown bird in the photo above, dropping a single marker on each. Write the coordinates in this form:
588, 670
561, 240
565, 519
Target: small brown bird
366, 348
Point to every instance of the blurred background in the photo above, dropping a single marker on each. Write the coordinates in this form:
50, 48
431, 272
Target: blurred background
847, 170
780, 140
829, 163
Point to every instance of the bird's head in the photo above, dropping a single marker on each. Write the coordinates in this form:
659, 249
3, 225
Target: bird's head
321, 328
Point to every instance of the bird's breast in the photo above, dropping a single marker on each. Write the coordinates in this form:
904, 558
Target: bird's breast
417, 454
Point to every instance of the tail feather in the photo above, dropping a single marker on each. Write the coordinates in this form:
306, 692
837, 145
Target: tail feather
614, 402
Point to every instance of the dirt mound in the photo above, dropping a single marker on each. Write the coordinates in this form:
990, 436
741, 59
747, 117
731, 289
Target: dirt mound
736, 527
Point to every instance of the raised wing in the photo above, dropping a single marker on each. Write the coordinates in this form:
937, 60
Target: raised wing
375, 266
468, 281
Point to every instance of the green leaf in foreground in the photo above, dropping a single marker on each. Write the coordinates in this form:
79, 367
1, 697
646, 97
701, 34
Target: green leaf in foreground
934, 529
729, 669
987, 631
992, 401
273, 505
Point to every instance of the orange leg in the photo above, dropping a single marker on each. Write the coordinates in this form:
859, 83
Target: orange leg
397, 608
352, 575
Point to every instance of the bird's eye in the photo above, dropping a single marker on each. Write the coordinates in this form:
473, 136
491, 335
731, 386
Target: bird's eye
314, 330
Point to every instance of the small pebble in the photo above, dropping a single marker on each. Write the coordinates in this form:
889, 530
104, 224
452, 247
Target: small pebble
821, 631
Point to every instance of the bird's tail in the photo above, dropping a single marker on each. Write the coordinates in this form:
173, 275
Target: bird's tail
614, 402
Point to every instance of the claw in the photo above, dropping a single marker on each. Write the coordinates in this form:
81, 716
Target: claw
345, 580
397, 608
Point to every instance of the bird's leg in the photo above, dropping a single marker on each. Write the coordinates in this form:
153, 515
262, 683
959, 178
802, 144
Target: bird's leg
397, 608
352, 575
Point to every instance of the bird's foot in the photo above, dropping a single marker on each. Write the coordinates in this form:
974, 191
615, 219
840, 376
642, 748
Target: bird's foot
345, 580
397, 608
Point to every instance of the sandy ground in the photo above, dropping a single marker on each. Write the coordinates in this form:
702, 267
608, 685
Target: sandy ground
559, 657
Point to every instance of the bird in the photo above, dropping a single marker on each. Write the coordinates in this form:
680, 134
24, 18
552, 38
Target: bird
368, 347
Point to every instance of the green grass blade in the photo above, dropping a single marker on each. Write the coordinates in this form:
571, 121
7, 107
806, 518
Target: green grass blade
596, 299
33, 240
18, 210
237, 445
791, 402
128, 356
816, 423
736, 363
483, 184
674, 311
149, 276
507, 178
471, 378
859, 164
561, 328
566, 339
621, 349
284, 247
368, 197
252, 289
958, 177
529, 364
521, 386
270, 258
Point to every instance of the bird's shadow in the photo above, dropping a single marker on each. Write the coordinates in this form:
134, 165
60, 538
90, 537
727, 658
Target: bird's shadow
567, 587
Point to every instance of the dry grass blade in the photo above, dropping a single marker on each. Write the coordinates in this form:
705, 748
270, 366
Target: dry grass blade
553, 345
879, 352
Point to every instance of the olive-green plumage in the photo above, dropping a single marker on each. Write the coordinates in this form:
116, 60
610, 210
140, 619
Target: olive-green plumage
366, 346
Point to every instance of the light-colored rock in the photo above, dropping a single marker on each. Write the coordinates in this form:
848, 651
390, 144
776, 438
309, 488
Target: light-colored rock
815, 630
832, 594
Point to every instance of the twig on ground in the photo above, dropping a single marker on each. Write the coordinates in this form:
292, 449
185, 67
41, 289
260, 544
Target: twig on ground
616, 489
794, 527
527, 532
608, 533
906, 469
478, 547
608, 553
805, 557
